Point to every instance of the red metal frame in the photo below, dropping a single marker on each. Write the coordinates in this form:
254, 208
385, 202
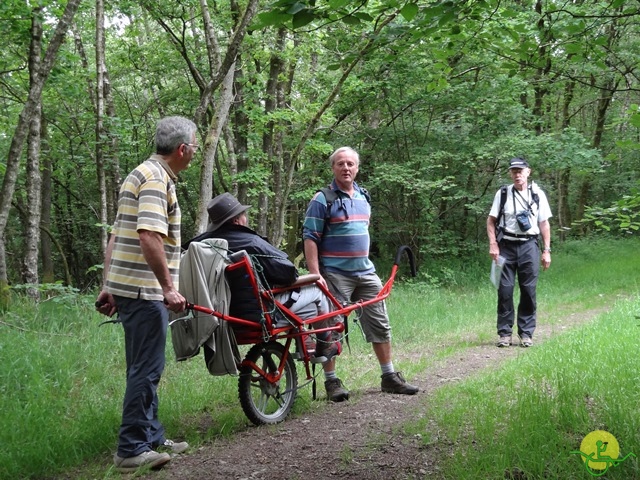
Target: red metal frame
250, 332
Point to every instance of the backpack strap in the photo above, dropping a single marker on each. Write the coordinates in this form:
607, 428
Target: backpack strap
330, 196
535, 197
504, 189
366, 194
503, 199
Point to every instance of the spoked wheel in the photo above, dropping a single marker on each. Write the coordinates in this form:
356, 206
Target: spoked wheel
264, 399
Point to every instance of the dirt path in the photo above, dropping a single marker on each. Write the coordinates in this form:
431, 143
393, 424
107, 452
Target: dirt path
359, 439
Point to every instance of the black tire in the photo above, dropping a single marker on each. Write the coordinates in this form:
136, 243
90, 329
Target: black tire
264, 402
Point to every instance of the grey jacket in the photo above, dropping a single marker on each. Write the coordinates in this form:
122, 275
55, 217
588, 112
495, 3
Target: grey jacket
202, 282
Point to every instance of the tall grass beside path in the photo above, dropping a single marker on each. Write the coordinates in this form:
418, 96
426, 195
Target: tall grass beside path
529, 418
62, 377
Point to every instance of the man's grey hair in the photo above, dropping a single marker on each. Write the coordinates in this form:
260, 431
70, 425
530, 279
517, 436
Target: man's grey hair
340, 150
171, 132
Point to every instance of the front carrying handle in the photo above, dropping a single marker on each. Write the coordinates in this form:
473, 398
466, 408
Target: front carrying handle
410, 257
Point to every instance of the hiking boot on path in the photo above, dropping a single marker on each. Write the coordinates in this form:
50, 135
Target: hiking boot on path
394, 382
335, 390
526, 342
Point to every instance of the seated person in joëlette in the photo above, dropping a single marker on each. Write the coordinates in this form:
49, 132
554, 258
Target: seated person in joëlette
228, 221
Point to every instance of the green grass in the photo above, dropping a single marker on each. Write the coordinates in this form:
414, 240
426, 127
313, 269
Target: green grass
62, 376
532, 413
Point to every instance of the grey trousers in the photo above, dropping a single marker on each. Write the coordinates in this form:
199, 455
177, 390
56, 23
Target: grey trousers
523, 260
373, 319
310, 303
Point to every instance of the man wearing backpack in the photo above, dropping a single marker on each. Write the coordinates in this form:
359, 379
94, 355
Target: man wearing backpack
519, 216
336, 246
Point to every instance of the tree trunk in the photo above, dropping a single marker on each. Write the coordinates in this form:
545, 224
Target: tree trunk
33, 180
601, 115
564, 210
276, 66
282, 162
541, 78
230, 57
370, 44
221, 76
21, 132
100, 131
608, 88
231, 162
114, 179
47, 274
220, 118
240, 134
33, 188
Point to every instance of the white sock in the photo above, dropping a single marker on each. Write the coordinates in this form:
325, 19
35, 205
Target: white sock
387, 368
330, 375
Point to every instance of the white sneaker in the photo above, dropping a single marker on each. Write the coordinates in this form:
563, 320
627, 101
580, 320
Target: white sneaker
174, 447
149, 459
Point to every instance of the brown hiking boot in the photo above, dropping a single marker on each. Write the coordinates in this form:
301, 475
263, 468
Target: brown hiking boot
526, 342
395, 383
325, 351
335, 390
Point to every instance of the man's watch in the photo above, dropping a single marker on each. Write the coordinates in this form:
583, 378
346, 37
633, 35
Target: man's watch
547, 250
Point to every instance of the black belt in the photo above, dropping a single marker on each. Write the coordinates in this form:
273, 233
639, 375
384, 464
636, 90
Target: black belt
516, 237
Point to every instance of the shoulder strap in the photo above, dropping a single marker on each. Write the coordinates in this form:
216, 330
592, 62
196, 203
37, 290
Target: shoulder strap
329, 194
534, 196
503, 199
366, 194
331, 197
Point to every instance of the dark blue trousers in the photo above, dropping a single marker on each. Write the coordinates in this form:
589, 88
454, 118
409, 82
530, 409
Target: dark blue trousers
145, 334
523, 260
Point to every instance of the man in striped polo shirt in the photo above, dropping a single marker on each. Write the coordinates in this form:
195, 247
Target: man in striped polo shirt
336, 246
141, 284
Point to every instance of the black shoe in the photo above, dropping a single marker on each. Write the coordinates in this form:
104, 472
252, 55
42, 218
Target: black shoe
395, 383
335, 390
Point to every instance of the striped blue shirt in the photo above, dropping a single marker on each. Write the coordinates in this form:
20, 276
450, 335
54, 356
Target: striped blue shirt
343, 244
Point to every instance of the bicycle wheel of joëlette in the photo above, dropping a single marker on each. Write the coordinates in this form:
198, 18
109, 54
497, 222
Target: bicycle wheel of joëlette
263, 400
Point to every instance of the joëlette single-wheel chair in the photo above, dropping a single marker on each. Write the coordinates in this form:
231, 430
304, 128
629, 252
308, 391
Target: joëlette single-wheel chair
268, 379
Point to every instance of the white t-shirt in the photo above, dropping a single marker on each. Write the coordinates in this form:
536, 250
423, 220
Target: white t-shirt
518, 202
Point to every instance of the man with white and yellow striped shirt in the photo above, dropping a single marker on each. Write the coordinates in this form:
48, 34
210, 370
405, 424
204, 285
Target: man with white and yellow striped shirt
141, 284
